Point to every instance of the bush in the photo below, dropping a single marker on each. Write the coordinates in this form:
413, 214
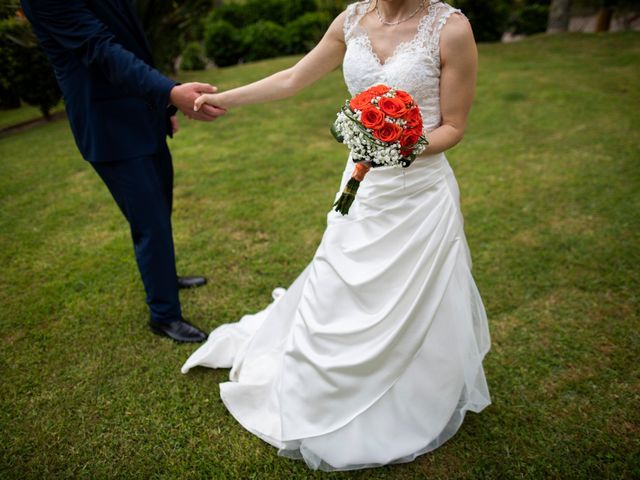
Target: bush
193, 57
169, 25
253, 11
488, 19
531, 19
295, 9
263, 39
332, 7
26, 74
254, 30
232, 13
222, 42
305, 32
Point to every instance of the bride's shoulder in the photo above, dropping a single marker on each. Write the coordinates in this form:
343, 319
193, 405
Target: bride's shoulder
449, 20
455, 24
356, 9
351, 15
362, 4
456, 37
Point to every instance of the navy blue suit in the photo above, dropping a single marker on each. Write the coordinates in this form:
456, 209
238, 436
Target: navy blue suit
117, 105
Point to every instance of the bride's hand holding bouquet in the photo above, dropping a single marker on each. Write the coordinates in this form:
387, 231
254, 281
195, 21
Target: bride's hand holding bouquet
381, 126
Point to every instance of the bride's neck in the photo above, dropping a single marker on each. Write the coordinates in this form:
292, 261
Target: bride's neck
394, 10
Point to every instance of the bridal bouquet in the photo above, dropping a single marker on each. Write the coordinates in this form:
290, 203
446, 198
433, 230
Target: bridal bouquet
381, 126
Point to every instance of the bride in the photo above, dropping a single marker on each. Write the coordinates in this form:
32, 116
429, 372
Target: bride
374, 354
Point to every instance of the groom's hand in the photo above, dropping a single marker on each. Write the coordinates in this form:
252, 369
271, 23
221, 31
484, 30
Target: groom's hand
183, 96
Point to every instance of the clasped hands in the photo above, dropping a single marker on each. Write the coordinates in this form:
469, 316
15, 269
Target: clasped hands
184, 97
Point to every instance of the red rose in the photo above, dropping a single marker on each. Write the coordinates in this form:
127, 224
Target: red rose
413, 117
413, 131
394, 107
405, 152
361, 101
388, 132
405, 97
409, 139
372, 117
378, 90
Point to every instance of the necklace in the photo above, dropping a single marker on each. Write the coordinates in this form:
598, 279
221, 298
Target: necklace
385, 22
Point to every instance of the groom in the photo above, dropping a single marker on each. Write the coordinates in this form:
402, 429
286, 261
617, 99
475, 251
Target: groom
121, 109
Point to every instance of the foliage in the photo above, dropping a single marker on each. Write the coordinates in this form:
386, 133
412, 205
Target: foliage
169, 25
222, 42
305, 32
332, 7
259, 29
488, 19
530, 19
263, 39
26, 74
548, 173
252, 11
232, 13
8, 8
193, 57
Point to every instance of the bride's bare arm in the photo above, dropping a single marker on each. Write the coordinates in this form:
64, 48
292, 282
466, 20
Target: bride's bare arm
459, 65
324, 58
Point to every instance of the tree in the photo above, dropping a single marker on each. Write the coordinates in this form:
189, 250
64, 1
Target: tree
169, 25
559, 15
26, 74
488, 19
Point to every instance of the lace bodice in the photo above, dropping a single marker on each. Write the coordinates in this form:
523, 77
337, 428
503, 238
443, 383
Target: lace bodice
414, 66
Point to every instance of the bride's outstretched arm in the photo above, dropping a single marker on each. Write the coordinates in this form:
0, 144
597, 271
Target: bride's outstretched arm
459, 65
325, 57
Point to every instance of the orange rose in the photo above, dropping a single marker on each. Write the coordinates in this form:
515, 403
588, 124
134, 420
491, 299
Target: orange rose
378, 90
361, 101
394, 107
413, 117
388, 132
372, 117
405, 97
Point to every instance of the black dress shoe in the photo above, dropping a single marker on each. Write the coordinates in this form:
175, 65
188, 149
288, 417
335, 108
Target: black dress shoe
191, 282
178, 330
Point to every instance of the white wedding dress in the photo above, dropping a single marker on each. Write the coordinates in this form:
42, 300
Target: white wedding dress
374, 353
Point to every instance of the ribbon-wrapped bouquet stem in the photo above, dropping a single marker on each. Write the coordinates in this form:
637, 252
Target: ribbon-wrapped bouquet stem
381, 126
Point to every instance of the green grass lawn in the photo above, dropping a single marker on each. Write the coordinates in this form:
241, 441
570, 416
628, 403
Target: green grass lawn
9, 118
550, 187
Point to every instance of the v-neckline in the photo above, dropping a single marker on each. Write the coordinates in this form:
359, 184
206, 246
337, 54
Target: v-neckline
399, 45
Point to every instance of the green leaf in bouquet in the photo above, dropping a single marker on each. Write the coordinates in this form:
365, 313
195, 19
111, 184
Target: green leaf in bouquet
335, 133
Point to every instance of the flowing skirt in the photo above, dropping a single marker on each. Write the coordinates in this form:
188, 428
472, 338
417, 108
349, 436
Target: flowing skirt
374, 353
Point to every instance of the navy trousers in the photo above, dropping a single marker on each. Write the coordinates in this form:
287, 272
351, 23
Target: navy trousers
143, 189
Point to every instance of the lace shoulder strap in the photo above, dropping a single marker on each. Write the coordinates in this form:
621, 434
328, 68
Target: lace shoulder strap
439, 13
355, 11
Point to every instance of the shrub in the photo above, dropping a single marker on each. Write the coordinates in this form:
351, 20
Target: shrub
332, 7
222, 42
193, 57
252, 11
170, 25
26, 72
263, 39
531, 19
233, 13
305, 32
488, 19
297, 8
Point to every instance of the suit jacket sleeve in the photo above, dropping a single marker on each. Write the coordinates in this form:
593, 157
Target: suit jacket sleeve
75, 27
